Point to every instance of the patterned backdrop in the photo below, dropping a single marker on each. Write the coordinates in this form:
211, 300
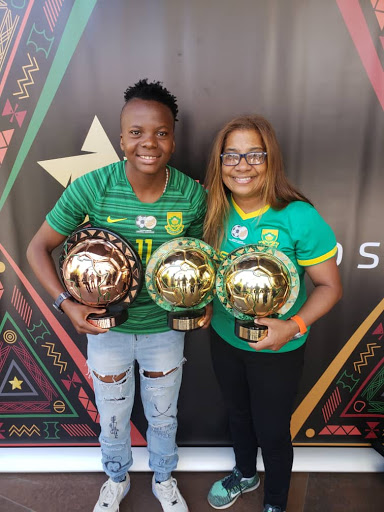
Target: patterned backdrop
315, 69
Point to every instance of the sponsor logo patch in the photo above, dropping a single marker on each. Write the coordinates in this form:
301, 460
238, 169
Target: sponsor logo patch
239, 232
145, 223
112, 221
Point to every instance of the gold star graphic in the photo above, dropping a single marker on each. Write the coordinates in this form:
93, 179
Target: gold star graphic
99, 153
16, 383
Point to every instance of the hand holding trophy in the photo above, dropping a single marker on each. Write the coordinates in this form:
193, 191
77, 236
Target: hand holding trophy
180, 278
256, 281
101, 269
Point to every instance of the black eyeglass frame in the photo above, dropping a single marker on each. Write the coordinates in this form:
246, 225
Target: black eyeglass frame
244, 155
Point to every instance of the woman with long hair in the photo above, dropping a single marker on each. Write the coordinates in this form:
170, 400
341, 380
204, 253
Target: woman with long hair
250, 201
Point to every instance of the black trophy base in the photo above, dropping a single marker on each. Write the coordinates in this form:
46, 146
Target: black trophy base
108, 319
185, 320
246, 330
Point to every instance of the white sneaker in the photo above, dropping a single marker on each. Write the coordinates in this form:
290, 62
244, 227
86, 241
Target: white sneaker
111, 495
169, 495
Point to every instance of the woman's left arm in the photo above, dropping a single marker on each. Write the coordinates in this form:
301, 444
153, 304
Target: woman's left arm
326, 293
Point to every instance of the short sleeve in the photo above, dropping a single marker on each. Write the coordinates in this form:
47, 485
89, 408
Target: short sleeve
314, 239
71, 208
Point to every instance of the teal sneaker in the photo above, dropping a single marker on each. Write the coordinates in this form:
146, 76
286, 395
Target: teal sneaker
270, 508
225, 492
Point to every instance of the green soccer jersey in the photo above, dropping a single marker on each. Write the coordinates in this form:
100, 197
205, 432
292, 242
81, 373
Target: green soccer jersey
298, 231
106, 196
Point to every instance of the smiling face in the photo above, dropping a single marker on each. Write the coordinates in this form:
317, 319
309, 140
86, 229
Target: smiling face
147, 137
243, 180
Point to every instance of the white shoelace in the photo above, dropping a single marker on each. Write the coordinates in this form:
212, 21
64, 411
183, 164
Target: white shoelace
109, 492
169, 492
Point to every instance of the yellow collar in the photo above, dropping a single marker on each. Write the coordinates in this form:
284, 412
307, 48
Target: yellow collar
250, 215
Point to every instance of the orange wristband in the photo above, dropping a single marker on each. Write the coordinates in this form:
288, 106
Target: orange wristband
300, 322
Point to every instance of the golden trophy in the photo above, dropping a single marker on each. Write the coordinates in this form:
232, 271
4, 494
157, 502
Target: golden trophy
180, 278
256, 281
102, 270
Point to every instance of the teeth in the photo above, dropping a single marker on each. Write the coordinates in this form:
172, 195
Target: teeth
243, 180
148, 157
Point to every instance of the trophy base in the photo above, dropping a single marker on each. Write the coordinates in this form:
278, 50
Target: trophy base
185, 320
248, 331
108, 319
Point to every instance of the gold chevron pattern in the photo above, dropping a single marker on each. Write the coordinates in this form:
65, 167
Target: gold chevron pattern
28, 80
24, 430
364, 356
56, 356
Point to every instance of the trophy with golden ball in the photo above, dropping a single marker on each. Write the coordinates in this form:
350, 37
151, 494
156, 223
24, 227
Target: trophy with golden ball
102, 270
256, 281
180, 278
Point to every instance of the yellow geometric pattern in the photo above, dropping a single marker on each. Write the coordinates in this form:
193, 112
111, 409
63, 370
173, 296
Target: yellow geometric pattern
16, 383
28, 69
10, 336
56, 356
364, 356
100, 152
29, 431
308, 404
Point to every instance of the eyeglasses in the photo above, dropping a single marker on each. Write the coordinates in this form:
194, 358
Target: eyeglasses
252, 158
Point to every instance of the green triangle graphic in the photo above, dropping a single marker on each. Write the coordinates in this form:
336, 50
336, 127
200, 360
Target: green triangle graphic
7, 318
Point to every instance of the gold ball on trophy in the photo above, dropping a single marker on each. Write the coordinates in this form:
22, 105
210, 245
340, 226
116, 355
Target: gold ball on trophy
256, 281
102, 270
180, 278
184, 278
257, 284
96, 273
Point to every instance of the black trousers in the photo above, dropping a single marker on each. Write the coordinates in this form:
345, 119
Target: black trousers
259, 390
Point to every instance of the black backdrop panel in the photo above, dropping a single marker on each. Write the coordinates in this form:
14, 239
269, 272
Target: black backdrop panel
314, 69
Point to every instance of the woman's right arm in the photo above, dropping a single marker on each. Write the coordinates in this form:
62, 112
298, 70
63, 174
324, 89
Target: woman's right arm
39, 255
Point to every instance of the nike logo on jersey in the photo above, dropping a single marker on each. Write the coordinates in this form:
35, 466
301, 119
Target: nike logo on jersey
111, 221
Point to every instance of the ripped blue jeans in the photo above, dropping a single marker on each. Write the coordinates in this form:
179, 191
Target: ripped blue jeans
114, 353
